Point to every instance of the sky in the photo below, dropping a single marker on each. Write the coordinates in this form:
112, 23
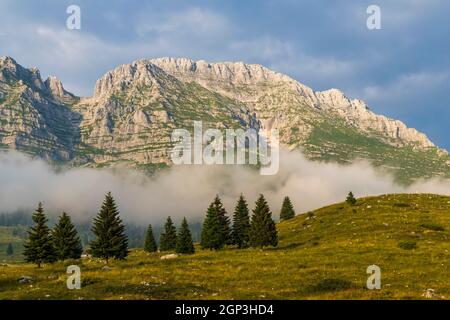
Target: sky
401, 70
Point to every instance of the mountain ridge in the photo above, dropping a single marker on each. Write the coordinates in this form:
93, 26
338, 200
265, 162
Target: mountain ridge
135, 106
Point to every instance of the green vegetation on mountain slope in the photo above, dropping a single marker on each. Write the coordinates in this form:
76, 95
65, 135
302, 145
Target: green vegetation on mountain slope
333, 141
321, 254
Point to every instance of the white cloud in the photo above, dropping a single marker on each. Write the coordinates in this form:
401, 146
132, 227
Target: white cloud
193, 22
412, 83
285, 57
187, 191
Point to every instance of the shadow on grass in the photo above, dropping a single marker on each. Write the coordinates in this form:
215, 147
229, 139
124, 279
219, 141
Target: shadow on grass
161, 291
331, 285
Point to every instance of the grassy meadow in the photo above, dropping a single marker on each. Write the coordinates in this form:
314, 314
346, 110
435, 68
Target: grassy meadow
322, 254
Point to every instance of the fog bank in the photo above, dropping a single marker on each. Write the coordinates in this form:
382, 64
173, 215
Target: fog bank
187, 190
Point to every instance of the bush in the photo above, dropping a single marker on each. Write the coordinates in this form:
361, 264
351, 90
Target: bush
432, 226
402, 205
331, 284
407, 244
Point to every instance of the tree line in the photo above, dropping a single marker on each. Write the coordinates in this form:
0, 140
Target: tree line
45, 245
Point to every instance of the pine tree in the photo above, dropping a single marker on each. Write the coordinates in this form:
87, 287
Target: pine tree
263, 231
9, 250
39, 246
351, 199
212, 235
287, 209
111, 241
224, 220
241, 223
150, 243
168, 239
184, 239
66, 242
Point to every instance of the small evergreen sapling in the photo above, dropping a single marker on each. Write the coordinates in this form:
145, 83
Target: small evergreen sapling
39, 246
241, 223
111, 241
287, 210
212, 230
351, 200
9, 250
184, 239
150, 243
224, 220
263, 231
65, 239
168, 239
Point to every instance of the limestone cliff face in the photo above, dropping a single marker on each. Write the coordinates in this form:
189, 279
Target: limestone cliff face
32, 119
135, 107
263, 89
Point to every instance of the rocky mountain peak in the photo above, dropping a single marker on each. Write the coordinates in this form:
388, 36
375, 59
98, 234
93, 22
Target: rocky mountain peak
55, 87
139, 72
231, 72
10, 70
8, 62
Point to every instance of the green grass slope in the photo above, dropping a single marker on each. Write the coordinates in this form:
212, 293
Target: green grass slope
323, 254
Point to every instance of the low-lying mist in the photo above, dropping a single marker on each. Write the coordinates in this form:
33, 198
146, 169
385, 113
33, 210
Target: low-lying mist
187, 190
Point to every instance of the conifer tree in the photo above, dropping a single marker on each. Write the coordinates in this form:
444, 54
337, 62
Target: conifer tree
66, 242
184, 239
168, 239
224, 220
263, 231
150, 243
241, 223
9, 250
212, 230
111, 241
39, 246
351, 200
287, 210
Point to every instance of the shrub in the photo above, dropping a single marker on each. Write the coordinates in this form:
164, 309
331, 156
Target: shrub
432, 226
331, 284
407, 244
402, 205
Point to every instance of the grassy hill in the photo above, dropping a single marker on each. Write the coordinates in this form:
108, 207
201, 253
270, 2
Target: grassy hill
322, 254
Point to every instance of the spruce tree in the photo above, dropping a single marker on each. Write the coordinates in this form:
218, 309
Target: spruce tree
150, 243
111, 241
184, 239
263, 231
212, 230
9, 250
241, 223
168, 239
66, 242
39, 246
224, 221
351, 199
287, 210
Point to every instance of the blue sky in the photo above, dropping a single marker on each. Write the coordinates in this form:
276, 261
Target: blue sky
402, 70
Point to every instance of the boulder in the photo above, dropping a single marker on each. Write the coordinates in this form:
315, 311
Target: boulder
25, 279
169, 256
106, 268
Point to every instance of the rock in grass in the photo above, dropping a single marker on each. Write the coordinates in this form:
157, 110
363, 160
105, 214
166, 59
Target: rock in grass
25, 279
429, 294
169, 256
106, 268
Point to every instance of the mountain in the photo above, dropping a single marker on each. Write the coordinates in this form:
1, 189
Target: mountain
135, 107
